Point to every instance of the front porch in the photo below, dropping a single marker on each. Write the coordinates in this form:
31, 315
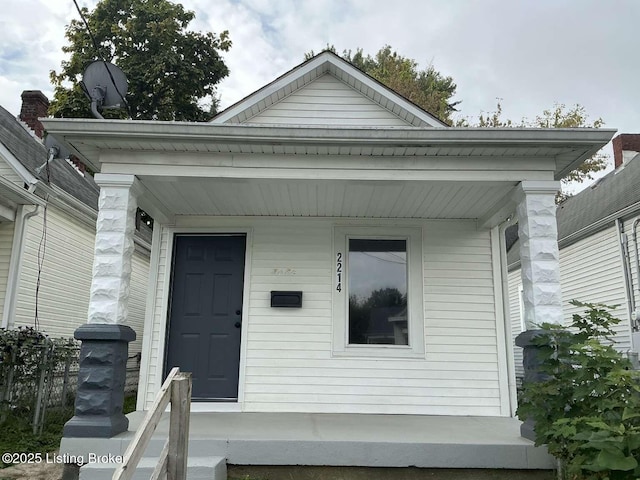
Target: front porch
336, 440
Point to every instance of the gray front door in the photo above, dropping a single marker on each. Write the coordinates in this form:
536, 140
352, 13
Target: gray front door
206, 313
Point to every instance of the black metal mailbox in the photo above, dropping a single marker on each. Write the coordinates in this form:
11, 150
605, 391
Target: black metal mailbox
288, 299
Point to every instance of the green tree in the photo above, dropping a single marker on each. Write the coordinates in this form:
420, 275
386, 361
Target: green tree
427, 88
169, 68
558, 116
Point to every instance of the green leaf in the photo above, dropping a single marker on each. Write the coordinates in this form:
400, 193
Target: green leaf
616, 460
629, 413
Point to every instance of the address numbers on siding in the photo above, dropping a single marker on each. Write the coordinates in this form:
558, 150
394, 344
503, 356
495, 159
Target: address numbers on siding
339, 271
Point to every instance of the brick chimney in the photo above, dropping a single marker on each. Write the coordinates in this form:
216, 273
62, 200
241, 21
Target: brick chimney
34, 105
625, 147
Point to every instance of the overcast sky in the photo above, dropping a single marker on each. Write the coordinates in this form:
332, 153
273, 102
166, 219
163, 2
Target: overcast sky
529, 54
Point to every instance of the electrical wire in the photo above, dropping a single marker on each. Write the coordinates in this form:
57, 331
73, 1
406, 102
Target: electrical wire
42, 248
99, 54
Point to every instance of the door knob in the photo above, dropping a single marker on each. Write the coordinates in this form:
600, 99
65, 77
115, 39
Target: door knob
238, 324
238, 312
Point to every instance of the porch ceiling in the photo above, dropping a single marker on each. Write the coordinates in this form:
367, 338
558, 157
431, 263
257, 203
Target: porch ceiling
331, 198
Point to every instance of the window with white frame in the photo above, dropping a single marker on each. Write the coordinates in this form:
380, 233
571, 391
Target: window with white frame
378, 291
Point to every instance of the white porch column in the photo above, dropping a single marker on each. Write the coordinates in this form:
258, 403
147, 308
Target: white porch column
539, 256
114, 247
105, 338
540, 270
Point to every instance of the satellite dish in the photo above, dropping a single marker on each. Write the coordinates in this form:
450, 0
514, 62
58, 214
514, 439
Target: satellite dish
105, 85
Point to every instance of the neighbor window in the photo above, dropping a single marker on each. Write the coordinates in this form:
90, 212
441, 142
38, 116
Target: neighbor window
378, 291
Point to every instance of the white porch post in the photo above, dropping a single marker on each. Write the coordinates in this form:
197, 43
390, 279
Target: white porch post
539, 256
540, 270
105, 337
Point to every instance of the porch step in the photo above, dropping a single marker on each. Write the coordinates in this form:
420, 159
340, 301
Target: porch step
342, 440
198, 468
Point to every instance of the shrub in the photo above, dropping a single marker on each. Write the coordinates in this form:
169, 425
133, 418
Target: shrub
587, 411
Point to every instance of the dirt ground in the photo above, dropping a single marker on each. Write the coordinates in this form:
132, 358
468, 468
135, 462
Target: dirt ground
237, 472
33, 471
53, 471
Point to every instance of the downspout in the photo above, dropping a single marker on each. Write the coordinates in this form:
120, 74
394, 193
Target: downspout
15, 264
511, 369
626, 268
636, 312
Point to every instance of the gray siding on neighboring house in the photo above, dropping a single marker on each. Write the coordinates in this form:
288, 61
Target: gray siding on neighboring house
6, 242
590, 271
327, 101
515, 315
633, 249
288, 361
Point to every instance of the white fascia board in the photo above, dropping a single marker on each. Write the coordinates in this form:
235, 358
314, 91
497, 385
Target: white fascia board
78, 132
20, 169
118, 130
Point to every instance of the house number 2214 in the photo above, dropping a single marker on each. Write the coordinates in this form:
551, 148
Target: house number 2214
339, 271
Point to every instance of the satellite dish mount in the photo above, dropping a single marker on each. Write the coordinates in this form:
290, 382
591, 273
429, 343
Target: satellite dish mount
105, 85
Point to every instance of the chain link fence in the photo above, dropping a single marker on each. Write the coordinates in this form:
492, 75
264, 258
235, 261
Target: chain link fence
39, 376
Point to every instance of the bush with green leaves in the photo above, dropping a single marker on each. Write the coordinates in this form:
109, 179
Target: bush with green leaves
587, 411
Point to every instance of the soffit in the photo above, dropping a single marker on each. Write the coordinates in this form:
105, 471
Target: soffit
310, 198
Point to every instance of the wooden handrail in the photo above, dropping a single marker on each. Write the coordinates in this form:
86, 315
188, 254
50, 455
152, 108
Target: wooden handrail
172, 464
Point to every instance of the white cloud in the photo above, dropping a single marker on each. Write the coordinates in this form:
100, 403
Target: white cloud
530, 54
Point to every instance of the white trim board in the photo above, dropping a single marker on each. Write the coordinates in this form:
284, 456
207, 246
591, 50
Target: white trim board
162, 339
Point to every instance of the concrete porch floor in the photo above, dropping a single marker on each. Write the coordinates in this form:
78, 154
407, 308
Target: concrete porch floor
342, 440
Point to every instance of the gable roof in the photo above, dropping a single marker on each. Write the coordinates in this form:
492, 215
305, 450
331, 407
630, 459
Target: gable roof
327, 63
615, 195
30, 153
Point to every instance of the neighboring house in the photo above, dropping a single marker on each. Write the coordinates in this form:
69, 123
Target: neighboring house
324, 246
598, 236
47, 233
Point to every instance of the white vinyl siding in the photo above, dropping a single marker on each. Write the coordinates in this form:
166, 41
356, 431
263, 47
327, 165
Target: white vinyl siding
6, 244
328, 101
289, 365
67, 266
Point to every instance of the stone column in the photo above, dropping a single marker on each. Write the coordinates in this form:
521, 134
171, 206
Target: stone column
105, 337
540, 270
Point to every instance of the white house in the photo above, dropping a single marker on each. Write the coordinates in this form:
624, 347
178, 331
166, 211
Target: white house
324, 246
47, 233
598, 235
